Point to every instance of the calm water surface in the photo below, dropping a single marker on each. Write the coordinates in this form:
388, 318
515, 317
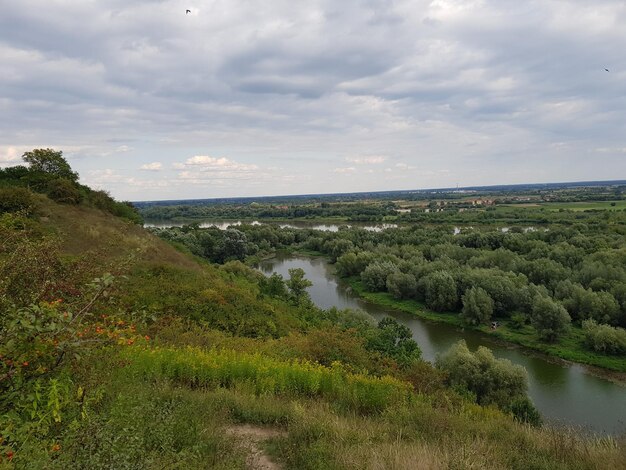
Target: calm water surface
565, 394
297, 224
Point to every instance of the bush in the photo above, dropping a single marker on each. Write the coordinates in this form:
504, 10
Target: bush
266, 376
604, 338
477, 306
394, 340
549, 318
491, 380
16, 199
63, 191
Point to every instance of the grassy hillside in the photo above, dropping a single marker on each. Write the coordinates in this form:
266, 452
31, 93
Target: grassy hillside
121, 351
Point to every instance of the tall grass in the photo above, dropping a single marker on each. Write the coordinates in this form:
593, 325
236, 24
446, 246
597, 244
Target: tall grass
267, 376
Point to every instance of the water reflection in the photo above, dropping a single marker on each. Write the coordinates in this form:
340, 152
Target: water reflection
563, 393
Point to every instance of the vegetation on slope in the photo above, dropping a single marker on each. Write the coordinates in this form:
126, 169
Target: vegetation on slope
97, 320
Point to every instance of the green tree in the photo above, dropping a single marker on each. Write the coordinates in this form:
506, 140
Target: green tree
440, 291
297, 285
274, 286
51, 162
477, 306
401, 285
491, 380
549, 318
394, 340
604, 338
374, 277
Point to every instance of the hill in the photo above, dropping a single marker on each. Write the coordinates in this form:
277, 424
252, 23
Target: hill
119, 350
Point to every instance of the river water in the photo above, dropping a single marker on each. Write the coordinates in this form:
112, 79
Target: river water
296, 224
564, 394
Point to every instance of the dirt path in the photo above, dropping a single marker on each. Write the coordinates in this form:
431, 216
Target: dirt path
251, 438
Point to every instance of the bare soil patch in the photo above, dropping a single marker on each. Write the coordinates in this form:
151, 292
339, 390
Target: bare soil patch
251, 439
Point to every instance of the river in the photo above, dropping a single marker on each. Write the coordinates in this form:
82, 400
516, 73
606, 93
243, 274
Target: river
563, 393
295, 224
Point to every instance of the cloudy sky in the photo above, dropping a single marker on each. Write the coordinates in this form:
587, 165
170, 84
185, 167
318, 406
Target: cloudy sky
244, 98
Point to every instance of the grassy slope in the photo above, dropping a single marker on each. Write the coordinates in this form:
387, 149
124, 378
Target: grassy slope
136, 421
569, 347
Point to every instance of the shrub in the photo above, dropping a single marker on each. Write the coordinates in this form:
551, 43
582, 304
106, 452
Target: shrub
16, 199
267, 376
394, 340
604, 338
493, 381
63, 191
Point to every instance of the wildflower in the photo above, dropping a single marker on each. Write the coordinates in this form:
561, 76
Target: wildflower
147, 338
10, 455
56, 448
25, 364
130, 341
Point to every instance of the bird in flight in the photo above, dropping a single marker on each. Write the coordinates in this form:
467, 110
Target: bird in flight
606, 70
187, 12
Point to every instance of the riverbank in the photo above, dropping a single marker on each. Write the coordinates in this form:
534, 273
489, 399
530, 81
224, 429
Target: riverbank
568, 348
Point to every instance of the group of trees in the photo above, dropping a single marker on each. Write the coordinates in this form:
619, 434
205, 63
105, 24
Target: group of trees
490, 380
544, 278
49, 173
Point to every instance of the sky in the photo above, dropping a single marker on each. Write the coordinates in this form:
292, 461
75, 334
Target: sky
251, 98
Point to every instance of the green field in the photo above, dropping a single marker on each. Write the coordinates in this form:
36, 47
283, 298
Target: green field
574, 206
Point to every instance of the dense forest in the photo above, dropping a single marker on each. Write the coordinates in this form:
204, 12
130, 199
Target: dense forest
121, 350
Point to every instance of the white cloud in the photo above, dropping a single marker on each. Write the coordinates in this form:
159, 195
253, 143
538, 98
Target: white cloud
206, 163
611, 150
404, 166
154, 166
9, 156
350, 169
367, 160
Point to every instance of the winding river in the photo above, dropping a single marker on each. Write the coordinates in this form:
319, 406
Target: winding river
563, 393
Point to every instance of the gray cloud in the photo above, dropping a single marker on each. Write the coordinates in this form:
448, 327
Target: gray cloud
449, 91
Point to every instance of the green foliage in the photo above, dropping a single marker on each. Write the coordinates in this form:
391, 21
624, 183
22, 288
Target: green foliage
477, 306
374, 276
16, 199
273, 286
401, 285
50, 162
440, 291
518, 320
103, 201
63, 191
297, 285
229, 369
493, 381
396, 341
604, 338
549, 318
